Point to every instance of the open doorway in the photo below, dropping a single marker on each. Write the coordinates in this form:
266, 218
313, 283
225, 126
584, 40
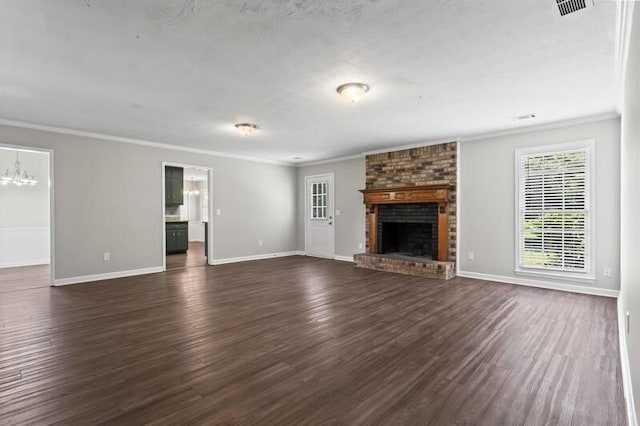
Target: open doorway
25, 218
186, 215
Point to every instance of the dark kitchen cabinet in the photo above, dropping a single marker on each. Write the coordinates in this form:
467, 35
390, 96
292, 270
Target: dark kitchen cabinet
177, 235
173, 186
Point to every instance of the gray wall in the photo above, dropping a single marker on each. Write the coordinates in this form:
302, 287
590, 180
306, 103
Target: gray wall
349, 177
108, 198
487, 198
630, 204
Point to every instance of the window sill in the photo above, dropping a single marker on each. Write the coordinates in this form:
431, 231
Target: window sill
583, 278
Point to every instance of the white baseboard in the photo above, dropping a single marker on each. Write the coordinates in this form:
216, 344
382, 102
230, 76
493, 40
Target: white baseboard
107, 276
26, 263
541, 284
255, 257
343, 258
632, 418
335, 257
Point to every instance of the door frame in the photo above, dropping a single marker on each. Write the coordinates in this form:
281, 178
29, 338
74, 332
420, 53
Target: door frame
332, 237
209, 210
52, 213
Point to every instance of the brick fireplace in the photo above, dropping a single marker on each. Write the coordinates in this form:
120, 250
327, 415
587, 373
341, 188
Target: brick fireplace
411, 211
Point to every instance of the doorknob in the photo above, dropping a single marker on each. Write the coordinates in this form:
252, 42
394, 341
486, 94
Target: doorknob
330, 223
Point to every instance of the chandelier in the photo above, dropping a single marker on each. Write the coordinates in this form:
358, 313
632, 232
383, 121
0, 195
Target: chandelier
192, 190
17, 176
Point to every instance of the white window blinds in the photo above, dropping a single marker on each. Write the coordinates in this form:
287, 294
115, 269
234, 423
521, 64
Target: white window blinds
554, 204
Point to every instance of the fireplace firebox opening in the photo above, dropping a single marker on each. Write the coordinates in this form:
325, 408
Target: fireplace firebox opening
408, 230
410, 239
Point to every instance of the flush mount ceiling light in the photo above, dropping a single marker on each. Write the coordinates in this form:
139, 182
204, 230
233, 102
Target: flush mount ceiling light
352, 91
246, 128
17, 176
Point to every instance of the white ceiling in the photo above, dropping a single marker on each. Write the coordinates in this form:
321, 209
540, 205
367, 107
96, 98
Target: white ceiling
183, 72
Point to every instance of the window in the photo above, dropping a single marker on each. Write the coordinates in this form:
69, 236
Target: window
319, 200
554, 209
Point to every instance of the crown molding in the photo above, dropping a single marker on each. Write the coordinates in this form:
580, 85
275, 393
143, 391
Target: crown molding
479, 136
624, 18
411, 146
82, 133
330, 160
540, 127
378, 151
465, 138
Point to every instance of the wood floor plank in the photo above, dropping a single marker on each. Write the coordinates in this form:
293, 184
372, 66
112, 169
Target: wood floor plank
299, 340
24, 277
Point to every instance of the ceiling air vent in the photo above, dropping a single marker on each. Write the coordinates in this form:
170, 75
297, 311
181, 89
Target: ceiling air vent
523, 117
570, 6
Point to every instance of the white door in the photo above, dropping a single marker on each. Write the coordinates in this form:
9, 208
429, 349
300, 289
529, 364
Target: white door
319, 223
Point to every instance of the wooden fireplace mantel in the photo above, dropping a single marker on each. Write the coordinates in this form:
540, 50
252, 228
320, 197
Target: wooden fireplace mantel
408, 194
441, 194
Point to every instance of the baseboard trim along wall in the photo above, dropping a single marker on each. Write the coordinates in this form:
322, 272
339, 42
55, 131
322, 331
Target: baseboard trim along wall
632, 418
156, 269
255, 257
107, 276
343, 258
25, 263
595, 291
335, 257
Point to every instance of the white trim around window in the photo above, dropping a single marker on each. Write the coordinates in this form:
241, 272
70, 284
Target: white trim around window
571, 266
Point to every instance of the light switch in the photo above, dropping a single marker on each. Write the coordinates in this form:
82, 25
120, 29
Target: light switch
338, 212
218, 212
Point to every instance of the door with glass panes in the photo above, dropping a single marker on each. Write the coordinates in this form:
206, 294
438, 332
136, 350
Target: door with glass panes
319, 226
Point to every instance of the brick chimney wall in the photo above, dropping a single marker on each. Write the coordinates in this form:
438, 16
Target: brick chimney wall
427, 165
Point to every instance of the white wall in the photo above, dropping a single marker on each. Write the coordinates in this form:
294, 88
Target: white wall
108, 198
349, 177
487, 199
630, 207
24, 212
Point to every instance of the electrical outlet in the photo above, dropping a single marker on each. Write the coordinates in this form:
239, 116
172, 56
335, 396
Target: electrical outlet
218, 212
260, 243
107, 256
628, 322
471, 255
607, 272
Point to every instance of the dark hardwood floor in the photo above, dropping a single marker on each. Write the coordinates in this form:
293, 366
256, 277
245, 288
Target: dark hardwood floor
193, 257
24, 277
306, 341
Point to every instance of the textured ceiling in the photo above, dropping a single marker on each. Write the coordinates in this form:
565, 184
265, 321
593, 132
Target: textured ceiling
183, 72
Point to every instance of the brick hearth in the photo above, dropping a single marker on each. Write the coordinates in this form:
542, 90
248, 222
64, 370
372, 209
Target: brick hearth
407, 265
